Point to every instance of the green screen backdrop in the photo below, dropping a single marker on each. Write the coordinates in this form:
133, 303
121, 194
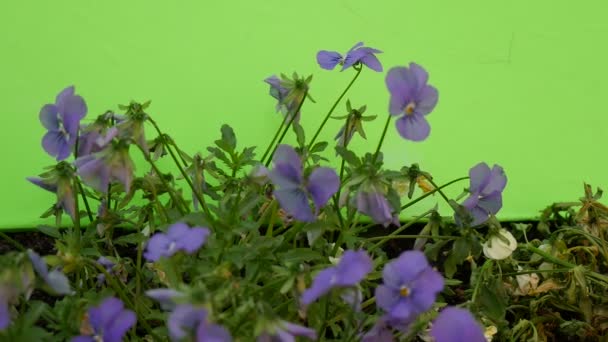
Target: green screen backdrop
520, 83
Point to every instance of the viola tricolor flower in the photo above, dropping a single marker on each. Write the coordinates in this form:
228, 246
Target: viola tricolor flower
62, 121
454, 324
410, 286
179, 237
357, 54
109, 322
412, 98
352, 268
486, 187
187, 320
59, 181
294, 189
284, 331
55, 279
113, 163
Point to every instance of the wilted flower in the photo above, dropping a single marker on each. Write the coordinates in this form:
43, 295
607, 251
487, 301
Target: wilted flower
454, 324
109, 322
55, 279
410, 286
284, 331
357, 54
294, 189
375, 205
352, 268
485, 189
113, 163
497, 248
196, 172
95, 136
353, 124
59, 181
132, 127
280, 93
62, 120
179, 237
187, 320
412, 97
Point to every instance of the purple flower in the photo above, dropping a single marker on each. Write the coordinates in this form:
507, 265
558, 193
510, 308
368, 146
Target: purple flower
410, 286
62, 120
113, 163
109, 321
486, 188
456, 325
95, 136
294, 189
357, 54
179, 237
108, 265
352, 268
186, 320
59, 182
375, 205
284, 331
280, 92
412, 97
55, 279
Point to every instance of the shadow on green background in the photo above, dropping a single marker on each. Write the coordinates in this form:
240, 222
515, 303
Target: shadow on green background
520, 83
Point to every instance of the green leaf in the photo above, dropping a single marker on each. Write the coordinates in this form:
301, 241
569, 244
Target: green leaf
299, 131
319, 147
349, 156
298, 255
492, 299
228, 136
50, 231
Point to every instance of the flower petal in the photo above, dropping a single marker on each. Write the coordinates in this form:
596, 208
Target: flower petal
426, 100
323, 183
328, 59
48, 117
397, 104
401, 83
374, 205
184, 319
323, 283
100, 316
287, 172
386, 297
156, 247
5, 318
479, 177
372, 62
193, 240
41, 183
413, 127
119, 326
404, 269
497, 181
420, 75
456, 325
58, 282
491, 203
212, 333
38, 263
295, 202
353, 267
299, 330
56, 145
425, 288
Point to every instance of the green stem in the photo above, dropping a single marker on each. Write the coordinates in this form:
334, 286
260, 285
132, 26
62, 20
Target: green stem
557, 270
84, 197
198, 196
276, 135
399, 230
331, 110
177, 201
437, 237
76, 219
409, 204
388, 120
438, 189
13, 242
291, 118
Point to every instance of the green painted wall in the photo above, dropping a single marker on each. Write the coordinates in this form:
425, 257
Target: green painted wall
521, 83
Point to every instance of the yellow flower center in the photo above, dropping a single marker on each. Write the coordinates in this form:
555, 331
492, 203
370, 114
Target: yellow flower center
409, 109
404, 291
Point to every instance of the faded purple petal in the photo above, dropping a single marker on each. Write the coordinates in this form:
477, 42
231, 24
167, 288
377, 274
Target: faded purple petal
120, 324
491, 203
63, 96
207, 332
397, 104
5, 318
166, 297
353, 267
38, 263
41, 183
83, 339
299, 330
413, 127
323, 283
177, 231
49, 117
479, 177
404, 269
427, 100
295, 202
184, 319
497, 181
58, 282
56, 144
401, 83
157, 247
372, 62
328, 59
100, 316
323, 183
288, 166
402, 310
456, 325
380, 332
419, 73
425, 288
386, 297
375, 205
193, 239
94, 172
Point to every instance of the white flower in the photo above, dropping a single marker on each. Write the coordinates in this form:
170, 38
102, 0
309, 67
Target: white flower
497, 249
